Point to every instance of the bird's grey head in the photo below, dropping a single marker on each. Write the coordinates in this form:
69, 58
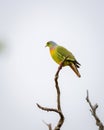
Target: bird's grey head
51, 44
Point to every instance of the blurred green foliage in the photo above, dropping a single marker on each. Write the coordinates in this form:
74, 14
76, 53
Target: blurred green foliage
2, 46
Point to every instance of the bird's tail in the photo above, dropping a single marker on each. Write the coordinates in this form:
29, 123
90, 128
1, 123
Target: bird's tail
74, 68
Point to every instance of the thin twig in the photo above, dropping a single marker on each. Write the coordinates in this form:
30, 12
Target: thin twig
49, 125
48, 109
93, 112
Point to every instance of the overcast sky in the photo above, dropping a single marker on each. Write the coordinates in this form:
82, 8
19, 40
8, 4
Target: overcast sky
27, 70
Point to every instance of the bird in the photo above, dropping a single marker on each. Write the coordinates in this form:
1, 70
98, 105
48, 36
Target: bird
59, 53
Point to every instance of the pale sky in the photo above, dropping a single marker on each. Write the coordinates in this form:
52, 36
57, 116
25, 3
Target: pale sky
27, 70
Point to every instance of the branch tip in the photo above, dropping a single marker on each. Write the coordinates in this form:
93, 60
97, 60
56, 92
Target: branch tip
93, 112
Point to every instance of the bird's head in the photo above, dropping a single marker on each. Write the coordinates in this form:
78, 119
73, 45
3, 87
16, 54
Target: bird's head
50, 44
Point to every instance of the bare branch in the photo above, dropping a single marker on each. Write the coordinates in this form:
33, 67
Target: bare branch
48, 109
61, 120
58, 109
93, 112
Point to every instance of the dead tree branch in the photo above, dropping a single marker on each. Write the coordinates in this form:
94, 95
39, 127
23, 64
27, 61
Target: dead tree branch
58, 109
93, 112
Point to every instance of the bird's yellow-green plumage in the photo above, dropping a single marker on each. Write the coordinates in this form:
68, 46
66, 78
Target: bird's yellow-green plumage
59, 53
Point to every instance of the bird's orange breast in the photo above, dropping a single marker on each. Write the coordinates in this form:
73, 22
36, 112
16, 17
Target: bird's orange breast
54, 55
52, 51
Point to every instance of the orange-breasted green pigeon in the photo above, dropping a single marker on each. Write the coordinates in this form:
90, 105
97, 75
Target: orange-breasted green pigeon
59, 53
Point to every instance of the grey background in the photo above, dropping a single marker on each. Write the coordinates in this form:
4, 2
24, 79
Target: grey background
27, 71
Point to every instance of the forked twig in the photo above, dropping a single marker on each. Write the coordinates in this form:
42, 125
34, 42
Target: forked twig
93, 112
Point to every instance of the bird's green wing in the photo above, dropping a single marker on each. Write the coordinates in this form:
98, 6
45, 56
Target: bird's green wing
63, 53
